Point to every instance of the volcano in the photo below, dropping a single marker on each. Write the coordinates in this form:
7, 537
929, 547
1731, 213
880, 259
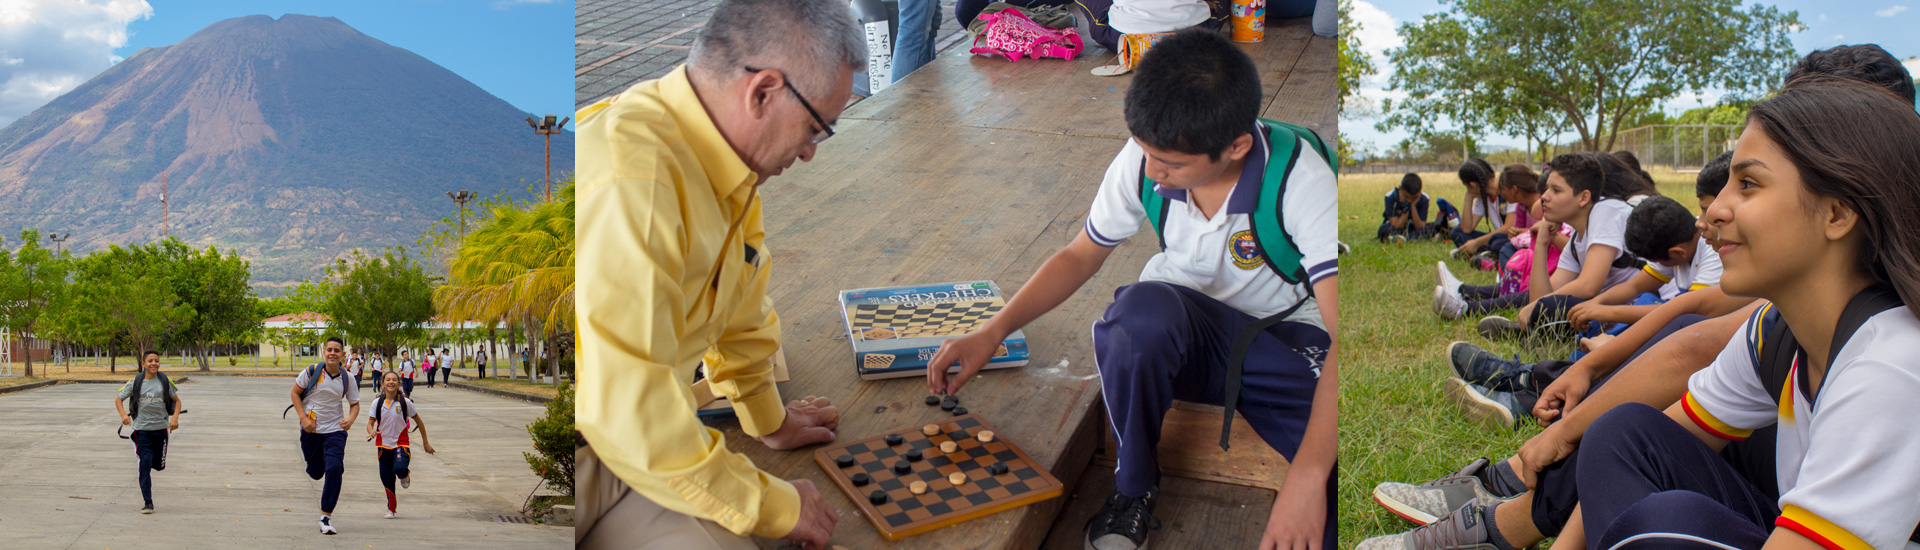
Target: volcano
292, 141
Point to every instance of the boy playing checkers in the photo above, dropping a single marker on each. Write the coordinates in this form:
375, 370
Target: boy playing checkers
1237, 308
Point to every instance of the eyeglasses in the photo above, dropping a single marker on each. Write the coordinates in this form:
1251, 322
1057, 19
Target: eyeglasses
825, 130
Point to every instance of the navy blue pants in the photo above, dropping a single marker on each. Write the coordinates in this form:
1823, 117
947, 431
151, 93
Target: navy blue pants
393, 465
1648, 479
1387, 229
326, 456
406, 386
151, 447
1159, 342
430, 372
1108, 37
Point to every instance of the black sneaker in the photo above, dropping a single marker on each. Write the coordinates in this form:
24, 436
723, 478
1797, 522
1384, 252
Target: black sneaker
148, 509
1482, 367
1123, 522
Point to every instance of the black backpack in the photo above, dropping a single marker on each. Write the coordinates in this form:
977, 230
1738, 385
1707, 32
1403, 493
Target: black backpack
379, 404
166, 394
313, 374
1774, 347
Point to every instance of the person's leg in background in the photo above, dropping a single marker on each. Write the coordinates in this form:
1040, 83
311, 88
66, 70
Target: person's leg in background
1326, 18
1098, 30
911, 50
1642, 473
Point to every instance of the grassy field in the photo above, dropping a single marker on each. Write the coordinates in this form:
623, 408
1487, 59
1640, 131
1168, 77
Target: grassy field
1395, 425
520, 385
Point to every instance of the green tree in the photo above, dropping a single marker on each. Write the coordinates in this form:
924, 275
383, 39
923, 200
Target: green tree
218, 288
32, 283
380, 300
125, 291
516, 266
554, 439
1355, 65
1590, 64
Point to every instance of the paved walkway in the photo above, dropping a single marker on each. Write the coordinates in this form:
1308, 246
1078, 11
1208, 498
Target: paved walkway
235, 477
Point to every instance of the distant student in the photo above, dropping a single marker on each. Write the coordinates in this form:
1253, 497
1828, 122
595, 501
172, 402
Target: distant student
1805, 224
480, 360
321, 393
1484, 203
1711, 179
393, 416
446, 365
1588, 192
1198, 155
153, 414
1519, 186
1405, 216
377, 365
406, 370
427, 364
1679, 259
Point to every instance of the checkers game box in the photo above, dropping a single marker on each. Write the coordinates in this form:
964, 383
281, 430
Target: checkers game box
896, 330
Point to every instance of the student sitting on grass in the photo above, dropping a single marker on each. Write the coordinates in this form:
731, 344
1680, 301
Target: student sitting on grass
1519, 186
1405, 216
1585, 191
1822, 178
1679, 260
1201, 155
1484, 202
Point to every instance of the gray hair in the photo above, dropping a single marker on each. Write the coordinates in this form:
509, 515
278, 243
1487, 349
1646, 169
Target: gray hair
815, 36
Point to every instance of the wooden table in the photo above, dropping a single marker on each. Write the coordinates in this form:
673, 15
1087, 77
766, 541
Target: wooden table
973, 168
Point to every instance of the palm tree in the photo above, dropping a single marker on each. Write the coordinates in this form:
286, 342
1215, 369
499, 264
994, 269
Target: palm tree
516, 268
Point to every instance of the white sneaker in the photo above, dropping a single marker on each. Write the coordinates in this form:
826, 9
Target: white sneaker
326, 527
389, 514
1447, 280
1448, 304
406, 481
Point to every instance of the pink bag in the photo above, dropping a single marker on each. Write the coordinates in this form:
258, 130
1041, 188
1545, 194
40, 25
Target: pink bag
1011, 33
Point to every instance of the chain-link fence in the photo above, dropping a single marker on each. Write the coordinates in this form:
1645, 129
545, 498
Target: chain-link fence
1679, 147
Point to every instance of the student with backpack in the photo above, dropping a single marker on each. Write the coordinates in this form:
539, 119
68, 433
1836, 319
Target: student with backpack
150, 403
322, 394
393, 416
1237, 308
405, 368
480, 360
427, 364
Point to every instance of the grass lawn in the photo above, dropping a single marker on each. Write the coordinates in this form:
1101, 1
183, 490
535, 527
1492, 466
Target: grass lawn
1395, 425
520, 385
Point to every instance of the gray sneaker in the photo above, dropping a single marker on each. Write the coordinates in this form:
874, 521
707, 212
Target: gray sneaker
1499, 409
1428, 502
1460, 530
1495, 327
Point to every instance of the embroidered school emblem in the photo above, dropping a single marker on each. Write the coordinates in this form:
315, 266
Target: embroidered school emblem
1246, 253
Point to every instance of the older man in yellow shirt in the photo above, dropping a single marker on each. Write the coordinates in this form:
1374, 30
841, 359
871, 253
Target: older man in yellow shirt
672, 271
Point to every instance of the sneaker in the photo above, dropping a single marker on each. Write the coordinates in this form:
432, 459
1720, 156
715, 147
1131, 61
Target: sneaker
1463, 529
1447, 280
1453, 254
148, 509
1123, 522
389, 514
1495, 327
1344, 249
1397, 240
1499, 409
1428, 502
406, 482
1448, 304
1482, 367
326, 527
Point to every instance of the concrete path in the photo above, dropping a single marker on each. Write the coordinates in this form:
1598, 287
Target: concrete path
235, 479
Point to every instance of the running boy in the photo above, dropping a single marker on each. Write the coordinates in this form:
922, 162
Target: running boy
321, 394
1206, 171
393, 416
155, 414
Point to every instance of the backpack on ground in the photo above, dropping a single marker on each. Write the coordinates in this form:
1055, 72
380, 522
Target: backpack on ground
313, 379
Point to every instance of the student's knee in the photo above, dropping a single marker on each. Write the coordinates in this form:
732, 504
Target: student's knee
1625, 425
1670, 513
1143, 320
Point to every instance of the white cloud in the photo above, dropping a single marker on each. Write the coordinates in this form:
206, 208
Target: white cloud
1836, 38
47, 47
1890, 12
1377, 33
1913, 66
1823, 17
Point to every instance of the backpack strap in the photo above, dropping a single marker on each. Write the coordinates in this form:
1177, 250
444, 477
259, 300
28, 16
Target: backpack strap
1268, 220
1155, 205
312, 380
133, 396
166, 391
1775, 348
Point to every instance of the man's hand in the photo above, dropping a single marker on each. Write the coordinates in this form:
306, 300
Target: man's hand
1298, 521
817, 518
1562, 395
125, 420
971, 351
809, 420
1540, 452
307, 424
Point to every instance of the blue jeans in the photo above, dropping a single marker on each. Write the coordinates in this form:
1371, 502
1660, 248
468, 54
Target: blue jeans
911, 50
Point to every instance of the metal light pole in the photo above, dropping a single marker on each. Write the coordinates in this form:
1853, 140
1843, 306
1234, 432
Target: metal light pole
60, 242
461, 199
547, 127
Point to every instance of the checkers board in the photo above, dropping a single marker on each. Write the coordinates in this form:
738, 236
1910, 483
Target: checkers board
904, 513
889, 321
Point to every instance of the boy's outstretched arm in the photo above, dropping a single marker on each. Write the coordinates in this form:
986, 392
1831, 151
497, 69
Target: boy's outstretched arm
1052, 284
1299, 517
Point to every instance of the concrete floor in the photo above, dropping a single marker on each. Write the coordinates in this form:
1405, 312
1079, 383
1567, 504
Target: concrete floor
235, 479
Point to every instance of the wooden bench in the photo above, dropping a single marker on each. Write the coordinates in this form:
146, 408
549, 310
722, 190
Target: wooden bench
974, 168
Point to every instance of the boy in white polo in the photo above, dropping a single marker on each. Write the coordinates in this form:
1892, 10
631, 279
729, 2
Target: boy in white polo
1236, 309
322, 394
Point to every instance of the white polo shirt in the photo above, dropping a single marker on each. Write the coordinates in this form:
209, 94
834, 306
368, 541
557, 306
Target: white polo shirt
326, 402
1606, 224
1849, 463
1217, 256
1152, 16
1702, 272
395, 421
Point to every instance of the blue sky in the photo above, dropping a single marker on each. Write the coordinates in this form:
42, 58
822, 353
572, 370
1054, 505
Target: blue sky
518, 50
1890, 24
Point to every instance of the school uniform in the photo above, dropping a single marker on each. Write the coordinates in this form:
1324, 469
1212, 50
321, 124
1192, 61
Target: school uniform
391, 442
1395, 207
1168, 336
1606, 225
1702, 272
406, 376
427, 363
1844, 456
1495, 213
325, 448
